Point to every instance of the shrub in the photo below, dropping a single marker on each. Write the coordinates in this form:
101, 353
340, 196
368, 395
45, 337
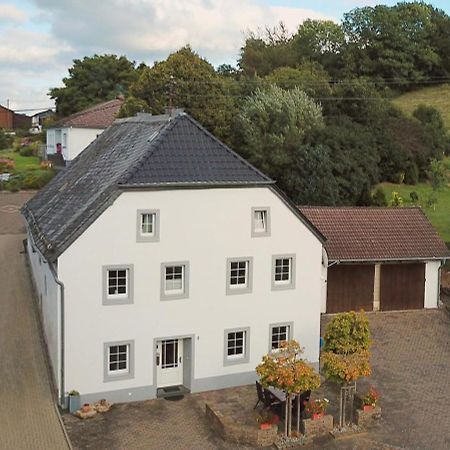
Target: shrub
412, 174
414, 196
36, 179
6, 140
26, 151
13, 185
6, 165
379, 197
396, 199
347, 333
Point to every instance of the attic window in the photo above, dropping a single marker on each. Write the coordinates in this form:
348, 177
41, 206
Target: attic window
260, 221
147, 224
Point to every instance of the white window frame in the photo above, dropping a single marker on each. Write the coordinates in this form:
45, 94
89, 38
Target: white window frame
175, 294
284, 284
246, 288
241, 358
118, 299
147, 237
258, 232
119, 374
272, 326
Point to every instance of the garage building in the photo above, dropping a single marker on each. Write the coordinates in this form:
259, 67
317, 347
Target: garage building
379, 258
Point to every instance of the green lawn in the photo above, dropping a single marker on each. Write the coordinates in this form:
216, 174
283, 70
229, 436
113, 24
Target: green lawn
440, 217
22, 162
436, 96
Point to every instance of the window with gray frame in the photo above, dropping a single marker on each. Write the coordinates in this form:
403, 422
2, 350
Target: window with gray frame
236, 346
117, 285
239, 275
260, 221
147, 225
119, 360
278, 334
283, 272
174, 280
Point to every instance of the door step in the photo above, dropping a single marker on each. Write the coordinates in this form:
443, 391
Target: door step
172, 391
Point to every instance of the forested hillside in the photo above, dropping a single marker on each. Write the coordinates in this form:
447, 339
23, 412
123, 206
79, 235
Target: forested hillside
313, 109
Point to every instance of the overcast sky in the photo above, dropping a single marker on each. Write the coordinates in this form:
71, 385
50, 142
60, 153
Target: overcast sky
40, 38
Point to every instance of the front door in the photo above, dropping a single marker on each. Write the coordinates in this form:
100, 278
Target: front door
169, 362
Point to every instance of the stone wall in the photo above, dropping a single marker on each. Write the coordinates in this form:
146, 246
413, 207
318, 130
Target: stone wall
312, 428
366, 419
239, 433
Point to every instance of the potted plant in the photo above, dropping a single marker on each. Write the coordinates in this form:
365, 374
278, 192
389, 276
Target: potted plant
316, 408
266, 419
370, 400
74, 401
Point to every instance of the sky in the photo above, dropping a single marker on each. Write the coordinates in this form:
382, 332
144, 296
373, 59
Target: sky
40, 38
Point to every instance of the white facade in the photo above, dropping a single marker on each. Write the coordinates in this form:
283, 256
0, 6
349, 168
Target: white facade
203, 227
432, 284
73, 140
48, 296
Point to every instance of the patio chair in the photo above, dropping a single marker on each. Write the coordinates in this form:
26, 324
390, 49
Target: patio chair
270, 402
260, 392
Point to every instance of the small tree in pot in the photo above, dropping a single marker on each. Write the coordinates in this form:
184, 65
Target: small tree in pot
284, 369
345, 355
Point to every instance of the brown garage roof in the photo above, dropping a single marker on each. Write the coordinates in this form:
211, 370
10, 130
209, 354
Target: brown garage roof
98, 116
362, 234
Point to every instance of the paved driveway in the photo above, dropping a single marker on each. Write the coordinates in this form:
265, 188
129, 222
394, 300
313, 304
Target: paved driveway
28, 419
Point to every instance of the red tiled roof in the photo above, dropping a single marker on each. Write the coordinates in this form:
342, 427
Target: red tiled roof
98, 116
360, 233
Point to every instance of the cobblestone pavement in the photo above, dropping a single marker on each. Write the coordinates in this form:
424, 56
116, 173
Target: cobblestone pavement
411, 368
28, 419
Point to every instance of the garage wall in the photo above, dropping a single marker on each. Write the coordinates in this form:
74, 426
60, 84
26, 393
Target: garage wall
432, 284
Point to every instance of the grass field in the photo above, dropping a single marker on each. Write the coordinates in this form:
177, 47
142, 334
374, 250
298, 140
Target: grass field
436, 96
440, 216
22, 162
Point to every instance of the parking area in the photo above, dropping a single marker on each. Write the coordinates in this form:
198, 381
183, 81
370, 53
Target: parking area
27, 415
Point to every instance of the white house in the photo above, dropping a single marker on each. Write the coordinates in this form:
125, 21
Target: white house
70, 136
164, 262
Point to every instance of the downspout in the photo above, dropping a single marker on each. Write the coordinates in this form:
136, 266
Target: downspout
62, 331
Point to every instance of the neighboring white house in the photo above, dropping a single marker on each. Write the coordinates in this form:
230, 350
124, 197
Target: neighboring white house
70, 136
164, 262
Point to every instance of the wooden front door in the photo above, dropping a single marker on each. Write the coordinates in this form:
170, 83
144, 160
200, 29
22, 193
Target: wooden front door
402, 286
350, 287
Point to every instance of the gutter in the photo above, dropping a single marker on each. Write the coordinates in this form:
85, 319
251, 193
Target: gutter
381, 260
62, 331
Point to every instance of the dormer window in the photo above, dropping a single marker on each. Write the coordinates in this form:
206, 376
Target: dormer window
260, 221
147, 225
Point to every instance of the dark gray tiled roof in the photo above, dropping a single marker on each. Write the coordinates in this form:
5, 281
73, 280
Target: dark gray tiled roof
135, 152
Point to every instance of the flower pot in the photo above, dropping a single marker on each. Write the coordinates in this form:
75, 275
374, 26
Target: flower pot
317, 416
86, 408
265, 426
367, 408
74, 403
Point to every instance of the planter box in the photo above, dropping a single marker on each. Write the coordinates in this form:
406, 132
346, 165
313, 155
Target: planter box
366, 419
239, 433
318, 427
74, 403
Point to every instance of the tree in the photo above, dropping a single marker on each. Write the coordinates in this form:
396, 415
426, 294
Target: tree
184, 80
93, 80
320, 41
379, 197
273, 125
310, 77
345, 355
284, 369
436, 175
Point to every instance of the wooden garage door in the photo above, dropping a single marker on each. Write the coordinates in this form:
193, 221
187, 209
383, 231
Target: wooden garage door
350, 288
402, 286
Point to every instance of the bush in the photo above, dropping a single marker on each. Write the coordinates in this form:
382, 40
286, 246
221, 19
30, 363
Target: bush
36, 179
414, 196
13, 185
396, 199
26, 151
379, 197
6, 140
6, 165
